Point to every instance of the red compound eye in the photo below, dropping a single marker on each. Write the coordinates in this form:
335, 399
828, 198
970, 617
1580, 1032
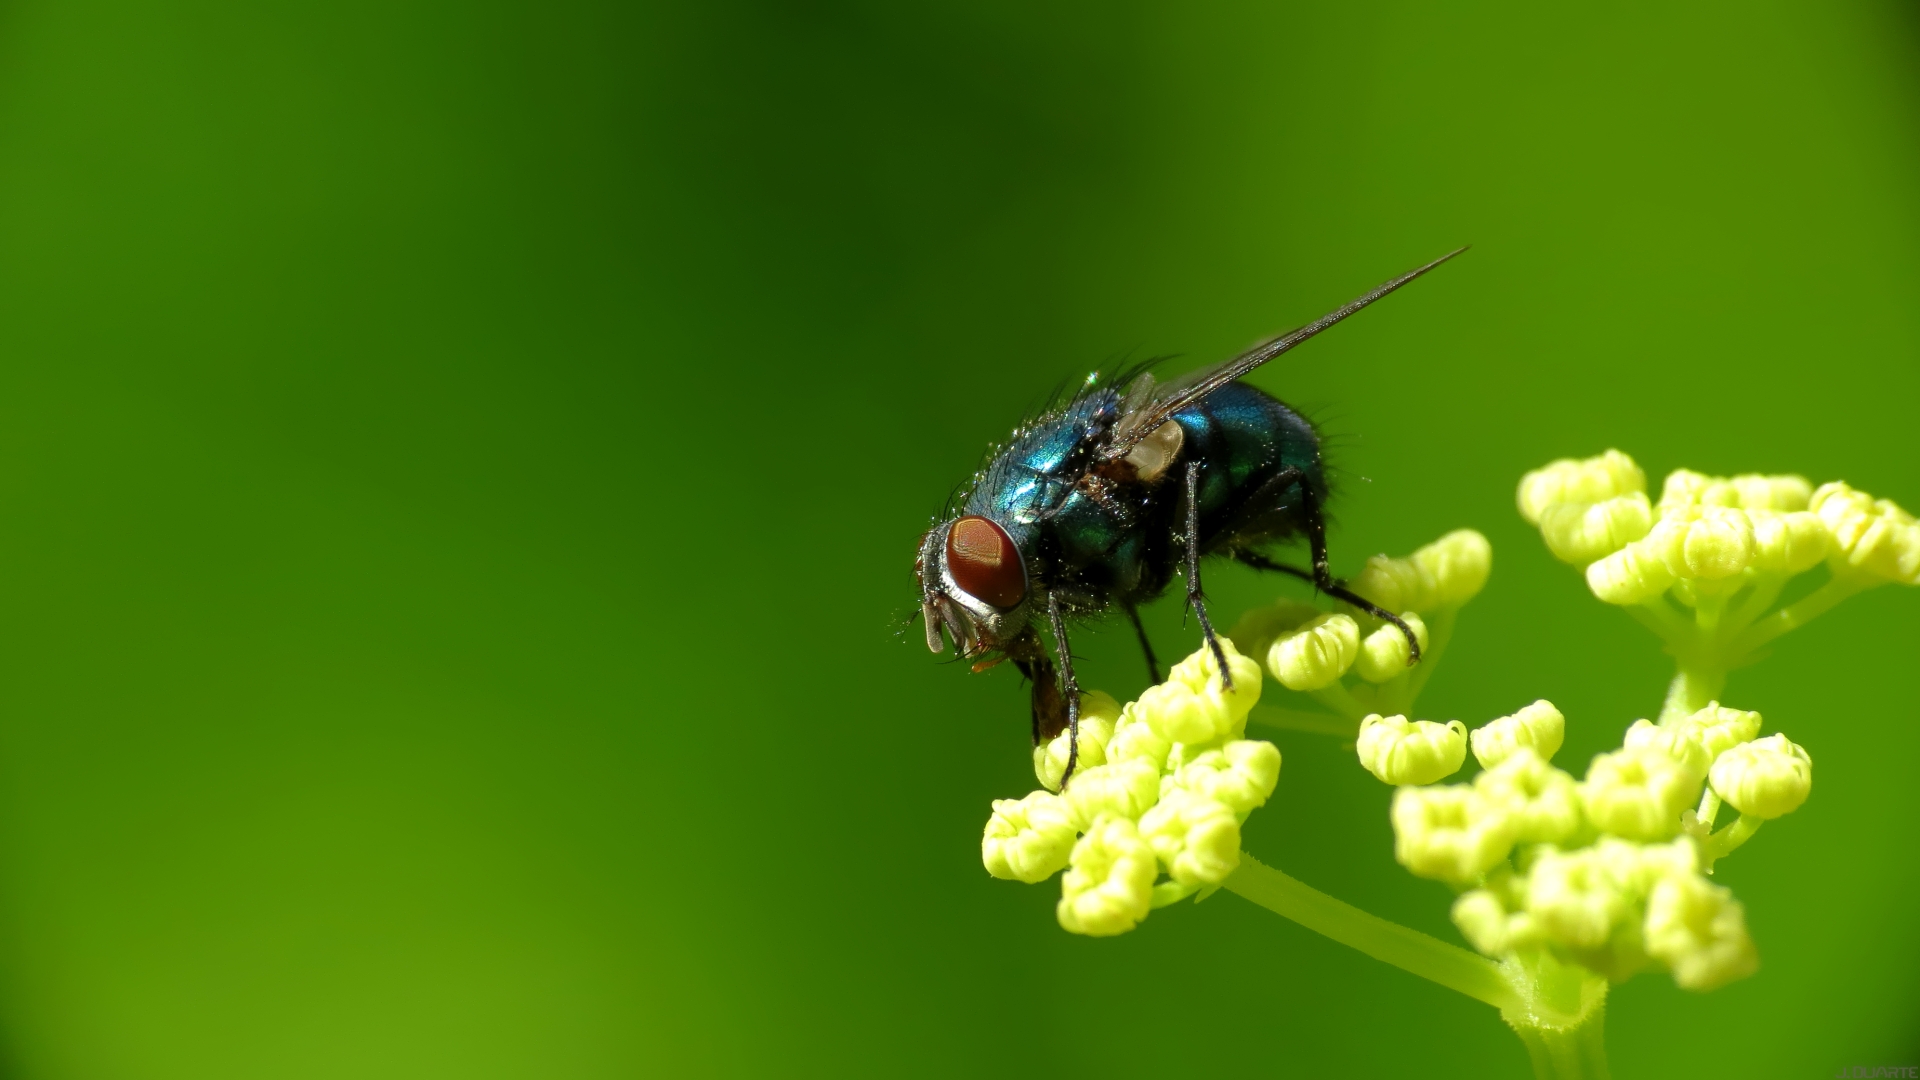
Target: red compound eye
983, 561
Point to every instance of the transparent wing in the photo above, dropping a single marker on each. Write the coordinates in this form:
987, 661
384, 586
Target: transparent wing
1147, 404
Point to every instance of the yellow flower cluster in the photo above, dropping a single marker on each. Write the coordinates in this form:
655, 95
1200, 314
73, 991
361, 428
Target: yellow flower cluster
1163, 786
1710, 536
1606, 871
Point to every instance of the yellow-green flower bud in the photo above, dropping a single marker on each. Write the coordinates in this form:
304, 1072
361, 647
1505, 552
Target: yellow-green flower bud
1028, 839
1633, 575
1539, 727
1579, 899
1241, 775
1592, 480
1579, 533
1676, 742
1201, 674
1177, 714
1108, 887
1718, 729
1638, 793
1253, 635
1196, 838
1709, 542
1384, 654
1783, 493
1540, 801
1790, 542
1117, 789
1456, 566
1699, 931
1315, 655
1482, 919
1765, 778
1451, 834
1444, 574
1098, 714
1399, 751
1135, 740
1394, 584
1683, 488
1870, 536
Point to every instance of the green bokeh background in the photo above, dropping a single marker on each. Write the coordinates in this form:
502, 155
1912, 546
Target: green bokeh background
459, 465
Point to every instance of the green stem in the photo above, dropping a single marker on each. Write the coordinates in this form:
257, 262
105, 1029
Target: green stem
1313, 723
1568, 1053
1439, 633
1694, 686
1796, 615
1428, 957
1722, 843
1341, 700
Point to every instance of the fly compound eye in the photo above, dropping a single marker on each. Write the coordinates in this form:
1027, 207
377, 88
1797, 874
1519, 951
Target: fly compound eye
985, 564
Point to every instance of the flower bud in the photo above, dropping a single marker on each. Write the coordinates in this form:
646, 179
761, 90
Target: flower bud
1457, 565
1632, 575
1675, 742
1108, 887
1782, 494
1683, 488
1709, 542
1482, 920
1196, 838
1699, 931
1539, 726
1315, 655
1874, 537
1452, 834
1638, 793
1399, 751
1579, 533
1540, 801
1028, 839
1718, 729
1242, 775
1790, 543
1177, 714
1117, 789
1135, 740
1253, 635
1766, 778
1581, 899
1098, 714
1384, 654
1592, 480
1200, 672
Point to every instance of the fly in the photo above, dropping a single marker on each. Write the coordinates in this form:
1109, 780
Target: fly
1099, 502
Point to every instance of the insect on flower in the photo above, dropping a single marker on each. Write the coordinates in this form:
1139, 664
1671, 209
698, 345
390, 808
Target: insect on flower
1098, 502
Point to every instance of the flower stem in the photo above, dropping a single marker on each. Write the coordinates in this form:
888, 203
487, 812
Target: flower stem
1693, 686
1575, 1053
1796, 615
1313, 723
1428, 957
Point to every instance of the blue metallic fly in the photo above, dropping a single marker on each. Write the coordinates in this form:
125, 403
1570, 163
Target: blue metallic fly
1100, 501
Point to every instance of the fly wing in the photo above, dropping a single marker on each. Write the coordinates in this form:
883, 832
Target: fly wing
1147, 405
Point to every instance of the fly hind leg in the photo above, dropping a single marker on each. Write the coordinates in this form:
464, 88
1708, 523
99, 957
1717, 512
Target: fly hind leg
1195, 599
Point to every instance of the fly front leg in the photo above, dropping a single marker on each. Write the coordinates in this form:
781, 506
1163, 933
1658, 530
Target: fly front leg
1071, 687
1195, 599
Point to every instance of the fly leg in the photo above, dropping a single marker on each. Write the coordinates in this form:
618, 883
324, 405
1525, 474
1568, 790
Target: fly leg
1194, 598
1323, 578
1071, 687
1261, 562
1153, 665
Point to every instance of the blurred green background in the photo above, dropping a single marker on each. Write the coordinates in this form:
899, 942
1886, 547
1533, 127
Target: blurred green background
460, 465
